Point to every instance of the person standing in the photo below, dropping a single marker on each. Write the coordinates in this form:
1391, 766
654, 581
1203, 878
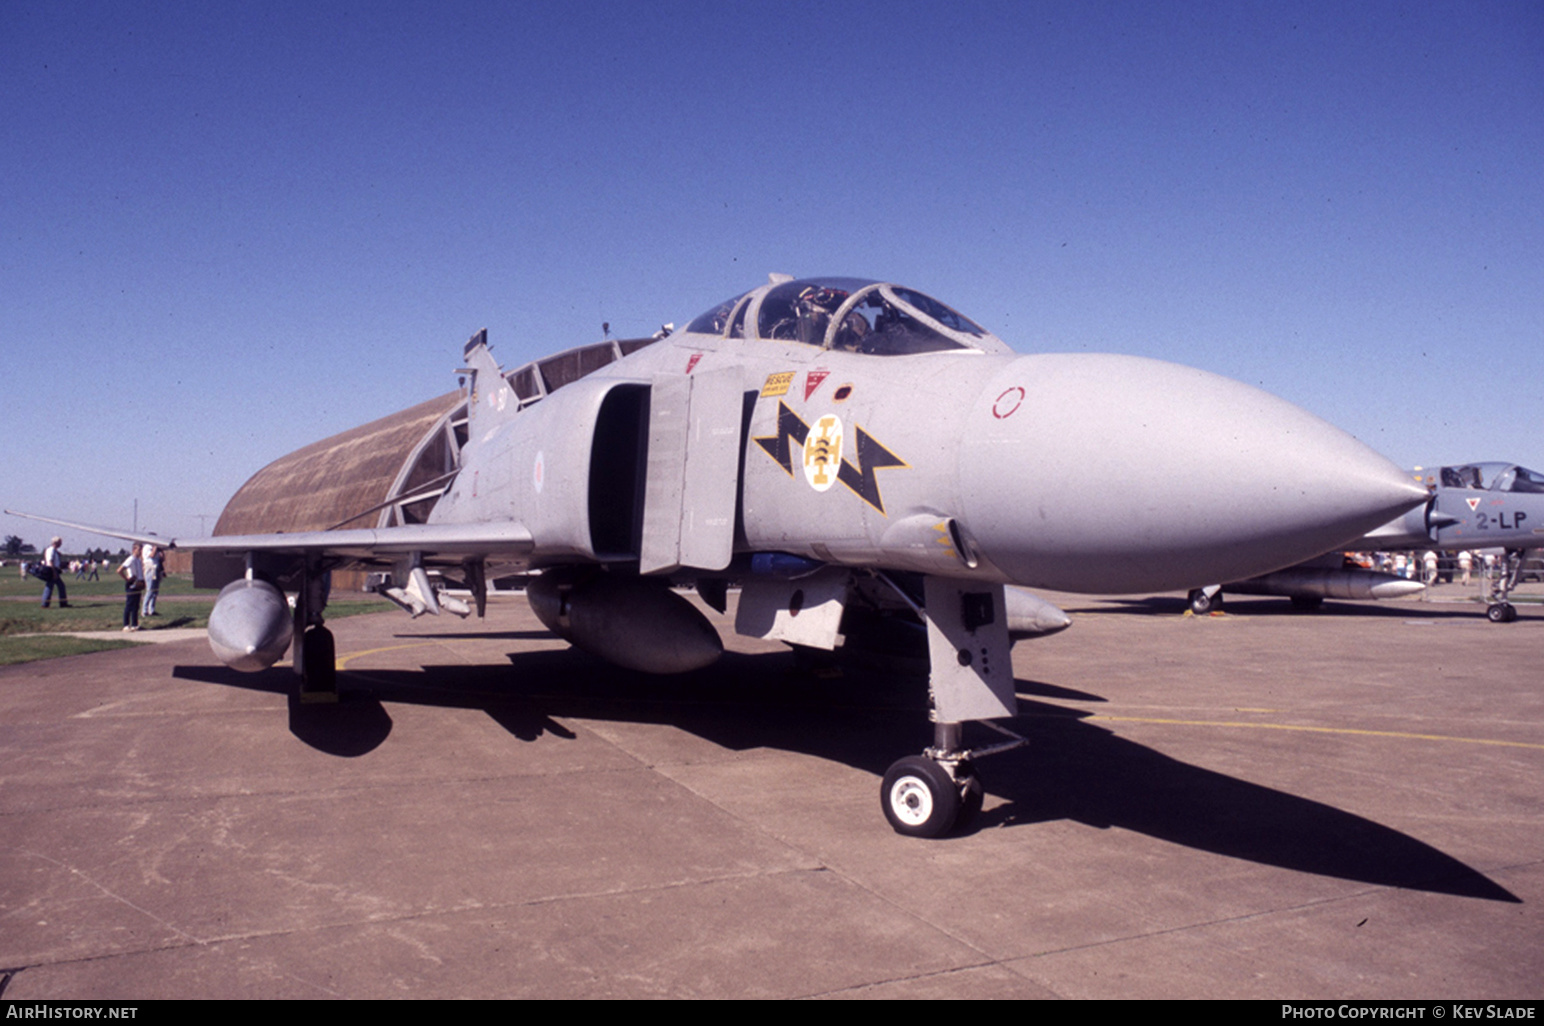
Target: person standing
153, 559
132, 571
53, 574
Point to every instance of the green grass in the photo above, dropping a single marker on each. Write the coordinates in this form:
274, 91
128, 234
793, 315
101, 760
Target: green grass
107, 615
11, 586
94, 615
98, 606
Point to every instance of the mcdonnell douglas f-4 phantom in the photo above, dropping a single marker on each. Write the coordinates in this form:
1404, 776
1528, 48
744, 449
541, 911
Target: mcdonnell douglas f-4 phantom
834, 446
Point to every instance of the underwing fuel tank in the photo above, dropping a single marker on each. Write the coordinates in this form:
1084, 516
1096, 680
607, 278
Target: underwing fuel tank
627, 621
250, 627
1320, 582
1118, 475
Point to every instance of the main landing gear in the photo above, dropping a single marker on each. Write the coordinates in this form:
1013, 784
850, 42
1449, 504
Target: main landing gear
1501, 612
1205, 600
314, 653
929, 795
1505, 578
319, 666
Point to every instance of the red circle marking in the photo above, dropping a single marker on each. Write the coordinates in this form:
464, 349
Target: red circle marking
1008, 403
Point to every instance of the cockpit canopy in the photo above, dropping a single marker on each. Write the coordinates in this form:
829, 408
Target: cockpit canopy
847, 315
1494, 477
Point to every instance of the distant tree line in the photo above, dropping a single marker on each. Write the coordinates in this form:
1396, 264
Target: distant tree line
14, 547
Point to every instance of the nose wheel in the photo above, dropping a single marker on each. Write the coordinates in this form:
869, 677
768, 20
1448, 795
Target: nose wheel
931, 794
920, 798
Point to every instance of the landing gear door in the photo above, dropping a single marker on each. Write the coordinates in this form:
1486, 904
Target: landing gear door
967, 633
693, 471
806, 611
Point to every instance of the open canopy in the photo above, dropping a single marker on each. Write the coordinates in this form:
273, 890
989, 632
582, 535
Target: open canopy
1494, 477
848, 315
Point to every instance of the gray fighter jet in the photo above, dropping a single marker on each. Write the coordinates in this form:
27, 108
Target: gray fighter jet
1475, 506
847, 452
1472, 506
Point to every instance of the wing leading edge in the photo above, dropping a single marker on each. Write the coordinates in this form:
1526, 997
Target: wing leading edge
503, 538
491, 538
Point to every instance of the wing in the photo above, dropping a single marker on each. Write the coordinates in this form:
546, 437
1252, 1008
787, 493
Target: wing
106, 532
500, 541
496, 538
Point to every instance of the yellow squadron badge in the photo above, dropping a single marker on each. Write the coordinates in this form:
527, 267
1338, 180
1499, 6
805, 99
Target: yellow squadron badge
823, 452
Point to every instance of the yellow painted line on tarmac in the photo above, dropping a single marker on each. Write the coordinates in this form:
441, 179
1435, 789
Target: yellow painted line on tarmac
343, 661
1316, 730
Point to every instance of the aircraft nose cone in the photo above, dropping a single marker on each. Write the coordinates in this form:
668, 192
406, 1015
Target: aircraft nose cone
1118, 474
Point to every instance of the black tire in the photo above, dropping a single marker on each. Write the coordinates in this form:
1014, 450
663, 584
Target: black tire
1201, 603
919, 797
320, 661
1501, 612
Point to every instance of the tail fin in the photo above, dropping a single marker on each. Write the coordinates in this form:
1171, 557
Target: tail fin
491, 399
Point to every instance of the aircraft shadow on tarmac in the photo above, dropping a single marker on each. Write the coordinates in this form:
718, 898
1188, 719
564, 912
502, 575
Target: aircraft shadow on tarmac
1169, 605
542, 635
1072, 769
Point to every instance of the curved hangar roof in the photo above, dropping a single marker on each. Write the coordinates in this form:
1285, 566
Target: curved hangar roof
358, 478
341, 478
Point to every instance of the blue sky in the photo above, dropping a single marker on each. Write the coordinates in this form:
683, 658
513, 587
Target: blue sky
231, 229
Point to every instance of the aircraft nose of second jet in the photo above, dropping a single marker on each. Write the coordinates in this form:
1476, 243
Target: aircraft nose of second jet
1169, 476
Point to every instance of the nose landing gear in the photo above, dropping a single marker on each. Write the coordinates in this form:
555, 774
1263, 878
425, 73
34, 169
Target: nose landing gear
1507, 573
939, 791
970, 677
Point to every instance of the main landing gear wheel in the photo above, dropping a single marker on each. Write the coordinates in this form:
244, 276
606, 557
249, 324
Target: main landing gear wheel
1501, 612
921, 799
1201, 603
319, 658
